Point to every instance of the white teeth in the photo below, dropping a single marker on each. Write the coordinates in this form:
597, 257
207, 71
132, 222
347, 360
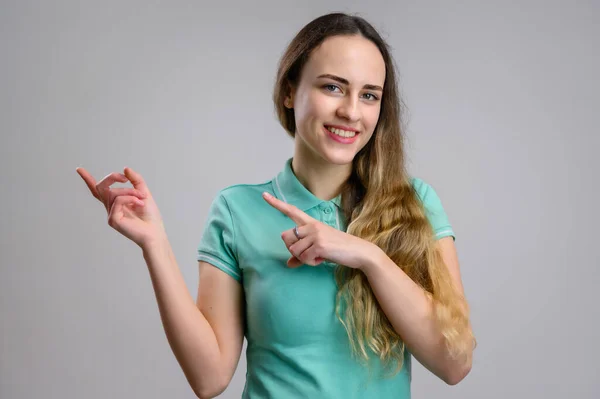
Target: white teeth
342, 133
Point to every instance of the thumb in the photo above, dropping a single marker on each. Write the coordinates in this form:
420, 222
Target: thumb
137, 180
294, 262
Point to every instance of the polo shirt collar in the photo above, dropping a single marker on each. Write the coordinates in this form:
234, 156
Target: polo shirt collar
288, 188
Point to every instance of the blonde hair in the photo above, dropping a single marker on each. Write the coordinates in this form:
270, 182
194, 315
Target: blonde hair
381, 206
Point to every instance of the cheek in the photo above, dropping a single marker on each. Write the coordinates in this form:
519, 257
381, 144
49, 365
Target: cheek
313, 106
371, 116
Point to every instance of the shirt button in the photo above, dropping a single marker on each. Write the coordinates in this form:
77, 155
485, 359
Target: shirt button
327, 210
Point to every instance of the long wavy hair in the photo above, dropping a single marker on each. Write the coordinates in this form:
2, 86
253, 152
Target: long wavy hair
380, 206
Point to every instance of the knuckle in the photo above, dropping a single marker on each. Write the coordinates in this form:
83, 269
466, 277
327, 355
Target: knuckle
304, 256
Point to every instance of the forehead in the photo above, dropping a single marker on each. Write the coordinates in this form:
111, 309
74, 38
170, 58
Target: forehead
351, 57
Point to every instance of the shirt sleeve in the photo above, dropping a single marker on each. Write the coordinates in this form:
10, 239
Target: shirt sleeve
434, 209
217, 244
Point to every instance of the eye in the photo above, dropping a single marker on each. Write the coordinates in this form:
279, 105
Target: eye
373, 97
330, 87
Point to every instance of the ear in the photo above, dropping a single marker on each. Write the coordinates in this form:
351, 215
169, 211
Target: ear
288, 102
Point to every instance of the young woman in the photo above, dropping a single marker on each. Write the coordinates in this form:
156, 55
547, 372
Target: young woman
339, 268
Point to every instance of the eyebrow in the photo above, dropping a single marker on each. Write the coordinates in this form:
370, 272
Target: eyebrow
345, 82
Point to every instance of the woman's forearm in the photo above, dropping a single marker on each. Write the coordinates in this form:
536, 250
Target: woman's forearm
410, 311
190, 336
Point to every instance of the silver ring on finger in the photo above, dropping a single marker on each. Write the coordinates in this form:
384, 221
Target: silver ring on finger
296, 233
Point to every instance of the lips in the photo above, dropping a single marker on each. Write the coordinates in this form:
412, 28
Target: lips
340, 135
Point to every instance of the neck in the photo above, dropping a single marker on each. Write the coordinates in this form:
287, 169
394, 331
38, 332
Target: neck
322, 178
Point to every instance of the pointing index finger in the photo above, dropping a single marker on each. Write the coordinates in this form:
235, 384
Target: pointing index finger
290, 211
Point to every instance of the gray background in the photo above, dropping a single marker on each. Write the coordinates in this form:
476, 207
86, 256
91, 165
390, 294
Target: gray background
503, 101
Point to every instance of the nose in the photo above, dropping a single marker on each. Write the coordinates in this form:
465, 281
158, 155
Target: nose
349, 109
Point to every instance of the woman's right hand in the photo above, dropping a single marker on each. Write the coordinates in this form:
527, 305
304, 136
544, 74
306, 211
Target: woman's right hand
131, 211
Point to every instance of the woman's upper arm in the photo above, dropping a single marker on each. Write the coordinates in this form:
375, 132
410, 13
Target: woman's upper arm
221, 301
450, 257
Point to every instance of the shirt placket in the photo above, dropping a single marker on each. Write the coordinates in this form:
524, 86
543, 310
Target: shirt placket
328, 214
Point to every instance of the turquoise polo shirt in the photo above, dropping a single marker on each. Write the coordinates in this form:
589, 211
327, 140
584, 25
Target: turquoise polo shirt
296, 347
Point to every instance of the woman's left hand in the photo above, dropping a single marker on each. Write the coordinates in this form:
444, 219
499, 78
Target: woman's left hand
319, 242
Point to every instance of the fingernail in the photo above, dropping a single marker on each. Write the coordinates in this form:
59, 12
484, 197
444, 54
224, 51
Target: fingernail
266, 195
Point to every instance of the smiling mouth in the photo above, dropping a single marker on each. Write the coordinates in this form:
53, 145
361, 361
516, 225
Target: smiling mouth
348, 134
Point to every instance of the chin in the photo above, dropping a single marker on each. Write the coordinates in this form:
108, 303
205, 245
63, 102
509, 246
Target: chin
339, 157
